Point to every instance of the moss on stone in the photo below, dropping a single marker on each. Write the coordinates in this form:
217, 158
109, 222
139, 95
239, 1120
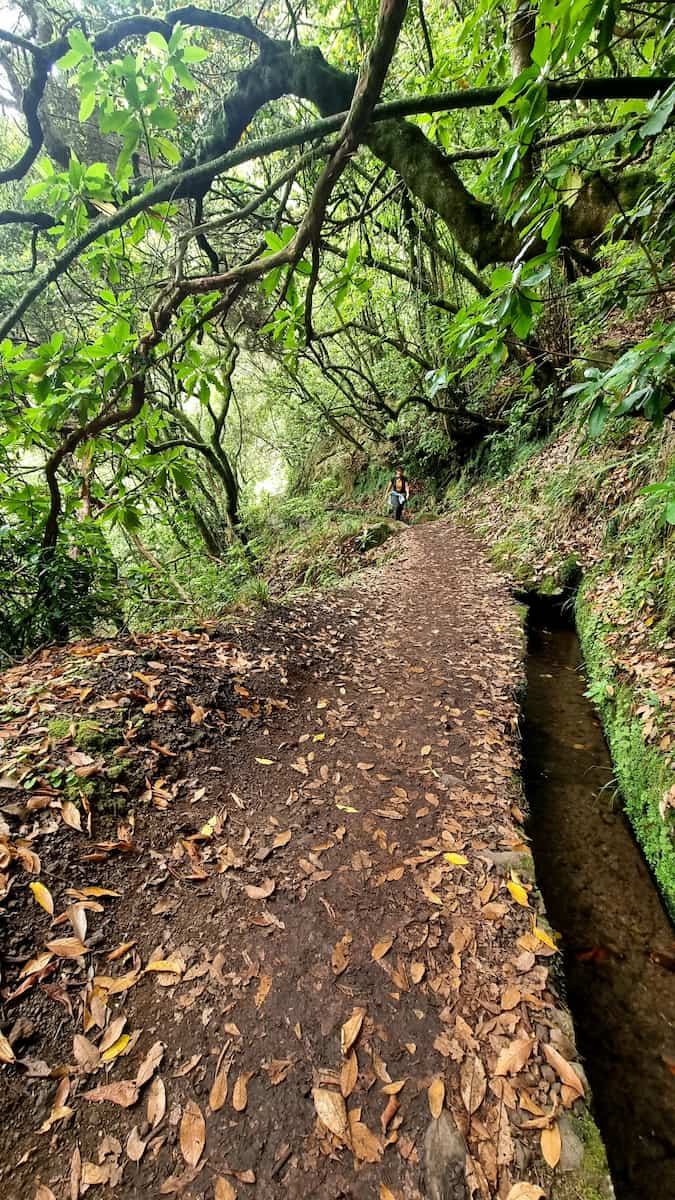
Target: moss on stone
642, 772
592, 1180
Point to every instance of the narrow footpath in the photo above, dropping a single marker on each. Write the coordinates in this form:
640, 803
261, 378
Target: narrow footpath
321, 962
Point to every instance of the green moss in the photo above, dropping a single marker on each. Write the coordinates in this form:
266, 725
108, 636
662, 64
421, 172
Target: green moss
642, 772
592, 1180
88, 735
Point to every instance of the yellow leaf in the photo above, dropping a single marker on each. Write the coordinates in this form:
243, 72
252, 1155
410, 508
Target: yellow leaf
551, 1145
116, 1049
173, 966
43, 897
265, 762
518, 892
425, 751
386, 1193
436, 1096
544, 937
392, 1089
457, 860
345, 807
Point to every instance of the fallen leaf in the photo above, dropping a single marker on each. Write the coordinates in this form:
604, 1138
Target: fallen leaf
518, 892
331, 1111
42, 1192
124, 1093
282, 839
365, 1145
389, 1112
472, 1083
71, 815
172, 966
425, 751
436, 1096
240, 1091
564, 1069
526, 1191
386, 1193
417, 971
381, 948
544, 937
340, 956
6, 1053
551, 1145
263, 990
351, 1029
135, 1146
156, 1105
265, 762
349, 1074
218, 1093
43, 897
457, 860
262, 892
223, 1190
150, 1064
192, 1133
392, 1089
116, 1048
85, 1052
513, 1057
69, 947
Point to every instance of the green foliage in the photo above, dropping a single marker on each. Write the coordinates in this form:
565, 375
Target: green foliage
641, 381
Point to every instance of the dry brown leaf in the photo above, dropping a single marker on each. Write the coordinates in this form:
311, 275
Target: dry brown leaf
156, 1105
392, 1089
331, 1110
71, 815
349, 1074
69, 947
223, 1189
472, 1083
75, 1174
240, 1091
511, 996
282, 839
513, 1057
386, 1193
366, 1146
6, 1052
263, 990
381, 948
340, 956
436, 1096
135, 1146
192, 1133
77, 916
150, 1063
564, 1069
262, 892
351, 1029
218, 1093
42, 1192
417, 971
551, 1145
526, 1191
124, 1093
389, 1112
86, 1054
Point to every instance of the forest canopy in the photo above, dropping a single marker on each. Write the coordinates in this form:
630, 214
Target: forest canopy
241, 240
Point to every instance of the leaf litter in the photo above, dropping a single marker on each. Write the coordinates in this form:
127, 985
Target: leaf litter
194, 985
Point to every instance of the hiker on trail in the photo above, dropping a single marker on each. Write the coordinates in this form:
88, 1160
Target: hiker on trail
398, 493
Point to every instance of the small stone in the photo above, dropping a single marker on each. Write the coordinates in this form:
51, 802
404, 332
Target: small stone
572, 1147
444, 1160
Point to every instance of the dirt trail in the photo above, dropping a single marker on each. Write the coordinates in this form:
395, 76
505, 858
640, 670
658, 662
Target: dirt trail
296, 878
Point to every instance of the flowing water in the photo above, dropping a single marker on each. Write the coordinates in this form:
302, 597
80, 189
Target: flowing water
601, 897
